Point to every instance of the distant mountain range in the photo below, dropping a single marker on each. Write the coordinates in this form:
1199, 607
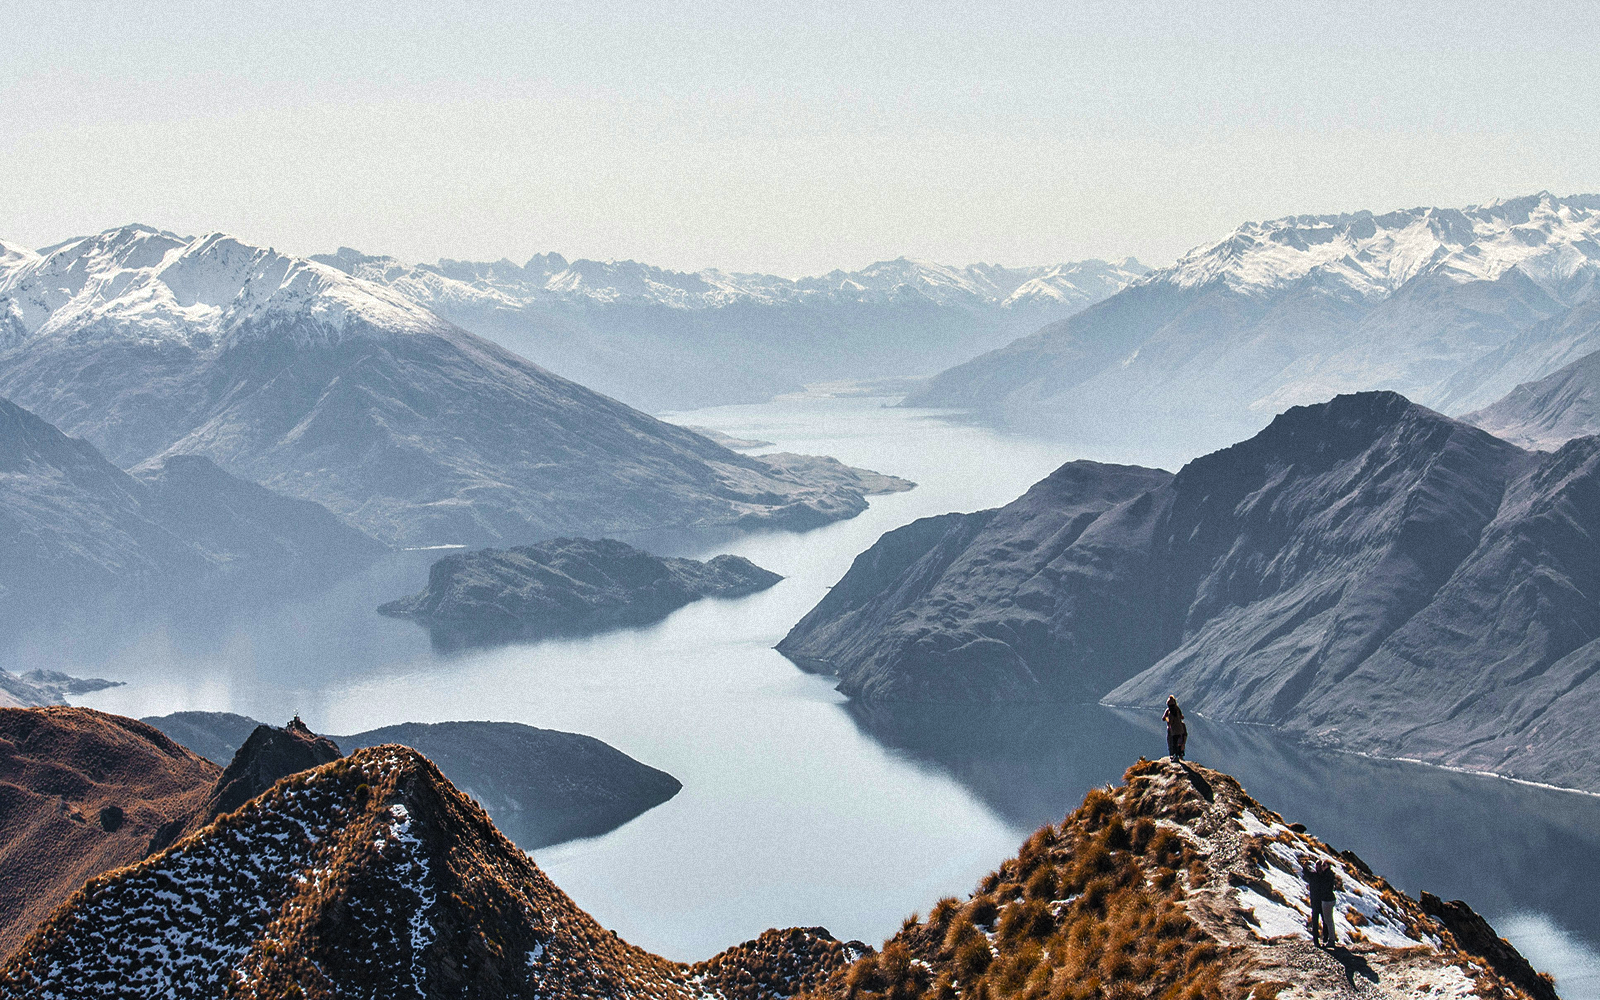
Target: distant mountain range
1450, 307
1366, 573
333, 389
617, 326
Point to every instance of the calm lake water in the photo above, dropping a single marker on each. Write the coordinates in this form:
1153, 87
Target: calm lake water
798, 808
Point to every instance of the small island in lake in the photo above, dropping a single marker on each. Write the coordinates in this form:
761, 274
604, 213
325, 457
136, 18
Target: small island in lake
565, 586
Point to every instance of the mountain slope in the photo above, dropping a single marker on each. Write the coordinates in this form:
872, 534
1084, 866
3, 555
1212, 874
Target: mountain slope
81, 792
541, 786
1549, 412
368, 874
333, 389
1179, 884
739, 337
73, 526
1365, 573
1295, 310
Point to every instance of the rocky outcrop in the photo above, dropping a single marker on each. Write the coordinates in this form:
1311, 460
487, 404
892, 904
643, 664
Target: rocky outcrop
82, 792
1178, 883
563, 587
410, 886
268, 755
1365, 573
1478, 937
541, 786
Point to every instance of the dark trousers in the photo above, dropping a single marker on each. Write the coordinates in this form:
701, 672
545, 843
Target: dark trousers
1322, 913
1175, 742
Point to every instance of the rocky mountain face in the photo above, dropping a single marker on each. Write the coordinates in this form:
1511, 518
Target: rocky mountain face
1452, 308
564, 586
37, 688
1178, 883
369, 874
1365, 572
73, 525
82, 792
334, 389
1547, 413
968, 607
541, 786
731, 338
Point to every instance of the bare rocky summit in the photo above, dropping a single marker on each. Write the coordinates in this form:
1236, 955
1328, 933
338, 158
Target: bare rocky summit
565, 586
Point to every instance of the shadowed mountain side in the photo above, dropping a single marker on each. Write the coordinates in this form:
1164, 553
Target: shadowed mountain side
541, 786
1364, 572
413, 887
982, 606
82, 792
1549, 412
566, 586
74, 527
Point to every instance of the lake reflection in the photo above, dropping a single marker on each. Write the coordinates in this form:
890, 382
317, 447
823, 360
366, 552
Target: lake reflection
798, 807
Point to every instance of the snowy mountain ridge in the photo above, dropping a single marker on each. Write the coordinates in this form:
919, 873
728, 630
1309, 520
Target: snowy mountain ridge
551, 278
1554, 241
146, 284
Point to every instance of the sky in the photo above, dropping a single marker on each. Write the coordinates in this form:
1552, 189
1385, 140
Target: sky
789, 139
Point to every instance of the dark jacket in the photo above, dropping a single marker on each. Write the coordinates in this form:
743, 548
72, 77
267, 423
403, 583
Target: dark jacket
1321, 885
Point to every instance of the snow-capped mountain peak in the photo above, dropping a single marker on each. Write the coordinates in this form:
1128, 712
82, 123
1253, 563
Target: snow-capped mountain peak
143, 283
1552, 240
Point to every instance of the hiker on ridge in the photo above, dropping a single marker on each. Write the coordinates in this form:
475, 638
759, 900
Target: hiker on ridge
1320, 884
1177, 732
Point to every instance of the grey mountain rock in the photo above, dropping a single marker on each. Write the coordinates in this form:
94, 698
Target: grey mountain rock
268, 754
1364, 573
73, 526
564, 586
729, 338
541, 786
1449, 307
1549, 412
337, 390
979, 606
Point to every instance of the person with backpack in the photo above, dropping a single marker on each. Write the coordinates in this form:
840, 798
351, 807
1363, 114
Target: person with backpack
1177, 732
1321, 883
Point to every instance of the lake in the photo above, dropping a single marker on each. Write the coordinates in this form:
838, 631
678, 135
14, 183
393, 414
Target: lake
797, 807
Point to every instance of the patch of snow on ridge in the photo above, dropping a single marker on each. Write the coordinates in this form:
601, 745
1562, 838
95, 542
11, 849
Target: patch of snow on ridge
137, 283
1551, 239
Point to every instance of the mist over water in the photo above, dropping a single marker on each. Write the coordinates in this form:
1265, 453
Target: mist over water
799, 807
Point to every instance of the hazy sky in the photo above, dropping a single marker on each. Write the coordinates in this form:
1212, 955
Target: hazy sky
749, 137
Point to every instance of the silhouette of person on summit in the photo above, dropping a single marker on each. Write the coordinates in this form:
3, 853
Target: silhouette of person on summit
1177, 732
1321, 882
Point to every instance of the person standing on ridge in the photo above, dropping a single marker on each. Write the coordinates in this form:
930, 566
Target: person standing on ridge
1320, 885
1177, 732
